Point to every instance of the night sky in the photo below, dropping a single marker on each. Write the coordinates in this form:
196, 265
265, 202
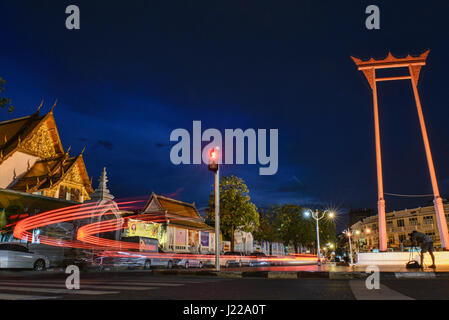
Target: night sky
139, 69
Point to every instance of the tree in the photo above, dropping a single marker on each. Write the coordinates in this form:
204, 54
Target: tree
293, 227
237, 212
4, 102
267, 230
327, 231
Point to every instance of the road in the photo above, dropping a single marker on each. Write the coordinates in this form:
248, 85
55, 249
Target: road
143, 285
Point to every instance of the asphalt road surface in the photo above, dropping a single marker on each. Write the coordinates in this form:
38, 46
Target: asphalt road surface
145, 286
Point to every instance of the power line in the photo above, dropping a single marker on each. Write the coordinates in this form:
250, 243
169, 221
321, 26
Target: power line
409, 195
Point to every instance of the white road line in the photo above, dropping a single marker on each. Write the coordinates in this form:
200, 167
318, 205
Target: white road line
360, 292
8, 296
52, 290
157, 284
82, 286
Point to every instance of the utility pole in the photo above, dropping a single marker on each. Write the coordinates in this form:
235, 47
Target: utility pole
214, 167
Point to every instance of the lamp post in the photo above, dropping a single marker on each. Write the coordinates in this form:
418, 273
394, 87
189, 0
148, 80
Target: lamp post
317, 215
214, 167
348, 233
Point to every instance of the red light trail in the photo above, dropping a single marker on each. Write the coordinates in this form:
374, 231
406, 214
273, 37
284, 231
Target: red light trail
88, 235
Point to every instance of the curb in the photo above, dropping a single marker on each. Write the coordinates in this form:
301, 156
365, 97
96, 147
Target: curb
348, 275
283, 275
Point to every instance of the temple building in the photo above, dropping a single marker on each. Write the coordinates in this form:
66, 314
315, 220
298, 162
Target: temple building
182, 228
33, 160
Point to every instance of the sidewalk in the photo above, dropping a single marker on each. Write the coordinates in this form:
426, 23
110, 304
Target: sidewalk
327, 271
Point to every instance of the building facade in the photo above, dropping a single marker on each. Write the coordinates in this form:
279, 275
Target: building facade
365, 234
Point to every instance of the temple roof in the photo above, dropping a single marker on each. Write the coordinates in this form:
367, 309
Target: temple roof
176, 212
13, 134
46, 173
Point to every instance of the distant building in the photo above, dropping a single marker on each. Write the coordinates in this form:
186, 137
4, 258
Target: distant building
399, 225
33, 160
359, 214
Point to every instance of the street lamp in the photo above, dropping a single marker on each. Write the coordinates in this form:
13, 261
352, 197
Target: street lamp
317, 215
348, 233
214, 167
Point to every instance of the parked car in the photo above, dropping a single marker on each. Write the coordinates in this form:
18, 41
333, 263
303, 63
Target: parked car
258, 259
16, 256
188, 261
133, 260
235, 259
161, 259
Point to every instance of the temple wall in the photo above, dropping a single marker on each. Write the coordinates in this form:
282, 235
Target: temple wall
20, 162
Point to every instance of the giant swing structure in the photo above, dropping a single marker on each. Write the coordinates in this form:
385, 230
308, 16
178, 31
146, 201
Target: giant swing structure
414, 65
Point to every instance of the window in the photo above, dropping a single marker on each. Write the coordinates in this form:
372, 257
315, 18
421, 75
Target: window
391, 240
62, 192
75, 194
428, 220
413, 221
400, 222
402, 237
13, 247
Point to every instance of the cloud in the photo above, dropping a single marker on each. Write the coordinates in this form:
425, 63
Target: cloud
162, 145
106, 144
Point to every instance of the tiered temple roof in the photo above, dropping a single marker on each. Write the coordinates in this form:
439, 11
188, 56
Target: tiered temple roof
36, 136
175, 212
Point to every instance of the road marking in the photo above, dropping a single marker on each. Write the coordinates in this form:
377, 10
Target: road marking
8, 296
360, 292
52, 290
157, 284
83, 286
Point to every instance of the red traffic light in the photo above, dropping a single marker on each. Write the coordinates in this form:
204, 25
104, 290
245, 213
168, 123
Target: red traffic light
213, 154
213, 159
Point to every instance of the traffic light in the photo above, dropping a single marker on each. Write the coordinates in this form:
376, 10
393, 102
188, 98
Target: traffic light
213, 159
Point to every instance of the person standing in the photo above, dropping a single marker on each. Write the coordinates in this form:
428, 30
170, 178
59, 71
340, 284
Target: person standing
426, 245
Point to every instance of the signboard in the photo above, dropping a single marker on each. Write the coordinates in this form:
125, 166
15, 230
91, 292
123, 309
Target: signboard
180, 237
226, 246
35, 237
194, 238
137, 228
204, 239
147, 244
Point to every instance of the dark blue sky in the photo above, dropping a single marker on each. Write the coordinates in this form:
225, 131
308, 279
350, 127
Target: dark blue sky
139, 69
